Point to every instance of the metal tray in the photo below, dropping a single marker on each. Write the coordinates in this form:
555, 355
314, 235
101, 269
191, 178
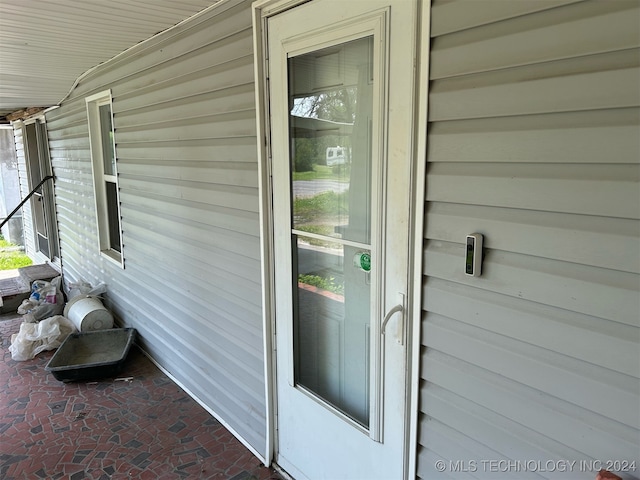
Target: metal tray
91, 355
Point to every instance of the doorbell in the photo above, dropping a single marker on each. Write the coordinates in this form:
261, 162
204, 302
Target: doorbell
473, 255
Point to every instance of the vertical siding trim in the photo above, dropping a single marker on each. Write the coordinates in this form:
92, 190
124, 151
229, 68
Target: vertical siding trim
418, 218
266, 225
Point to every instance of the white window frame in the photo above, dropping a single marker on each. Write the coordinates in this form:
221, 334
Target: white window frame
100, 178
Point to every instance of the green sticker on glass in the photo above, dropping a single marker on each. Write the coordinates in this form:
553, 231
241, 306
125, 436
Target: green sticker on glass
365, 262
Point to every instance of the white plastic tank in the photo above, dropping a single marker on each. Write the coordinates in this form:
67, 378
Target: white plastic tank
88, 313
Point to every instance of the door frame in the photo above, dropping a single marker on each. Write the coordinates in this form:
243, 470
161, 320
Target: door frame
47, 189
261, 11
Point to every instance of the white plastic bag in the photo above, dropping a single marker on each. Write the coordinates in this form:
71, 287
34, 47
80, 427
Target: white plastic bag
84, 288
34, 338
78, 288
46, 300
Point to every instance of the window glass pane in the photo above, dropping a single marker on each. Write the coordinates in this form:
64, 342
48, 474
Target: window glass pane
106, 134
331, 100
330, 116
114, 216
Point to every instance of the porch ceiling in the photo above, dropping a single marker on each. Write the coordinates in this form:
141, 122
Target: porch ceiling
46, 45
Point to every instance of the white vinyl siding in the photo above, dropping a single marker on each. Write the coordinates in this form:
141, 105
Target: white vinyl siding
533, 142
184, 119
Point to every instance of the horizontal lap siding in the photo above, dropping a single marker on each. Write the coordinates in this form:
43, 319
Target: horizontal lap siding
533, 141
184, 122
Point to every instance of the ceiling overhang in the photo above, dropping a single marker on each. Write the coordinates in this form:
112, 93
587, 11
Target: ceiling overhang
46, 46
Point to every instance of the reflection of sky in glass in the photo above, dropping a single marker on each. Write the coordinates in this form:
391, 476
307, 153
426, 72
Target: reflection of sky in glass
303, 107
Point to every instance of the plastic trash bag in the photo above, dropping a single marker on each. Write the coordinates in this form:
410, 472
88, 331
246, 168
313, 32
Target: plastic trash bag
46, 300
34, 338
78, 288
84, 288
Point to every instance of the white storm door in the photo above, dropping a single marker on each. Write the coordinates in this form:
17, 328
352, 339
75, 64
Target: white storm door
340, 89
42, 202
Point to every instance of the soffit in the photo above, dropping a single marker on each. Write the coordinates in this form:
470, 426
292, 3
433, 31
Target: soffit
46, 45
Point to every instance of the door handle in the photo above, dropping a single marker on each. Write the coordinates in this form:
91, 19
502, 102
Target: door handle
400, 330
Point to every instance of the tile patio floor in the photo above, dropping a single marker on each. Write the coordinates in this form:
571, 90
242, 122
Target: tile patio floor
146, 428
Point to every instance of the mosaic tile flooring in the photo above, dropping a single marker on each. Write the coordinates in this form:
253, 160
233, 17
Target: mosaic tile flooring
145, 428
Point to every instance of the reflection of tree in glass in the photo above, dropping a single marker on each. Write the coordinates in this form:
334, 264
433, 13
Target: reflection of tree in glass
333, 105
306, 154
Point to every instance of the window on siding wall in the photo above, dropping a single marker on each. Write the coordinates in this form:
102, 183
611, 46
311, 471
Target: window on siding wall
105, 174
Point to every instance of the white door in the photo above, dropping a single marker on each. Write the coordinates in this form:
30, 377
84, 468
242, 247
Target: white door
340, 88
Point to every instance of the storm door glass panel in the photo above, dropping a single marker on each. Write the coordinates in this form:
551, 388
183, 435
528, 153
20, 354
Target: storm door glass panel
330, 110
